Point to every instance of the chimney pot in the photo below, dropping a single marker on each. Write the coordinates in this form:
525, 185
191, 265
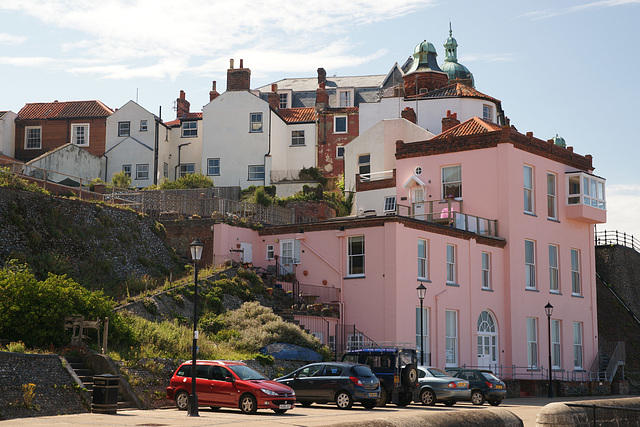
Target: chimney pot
274, 87
231, 64
241, 63
182, 94
213, 85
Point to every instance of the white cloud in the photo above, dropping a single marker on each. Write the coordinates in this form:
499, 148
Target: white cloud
601, 4
623, 206
11, 39
487, 57
26, 61
138, 37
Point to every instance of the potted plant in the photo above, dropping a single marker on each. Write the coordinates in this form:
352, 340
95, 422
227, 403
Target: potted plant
269, 291
318, 307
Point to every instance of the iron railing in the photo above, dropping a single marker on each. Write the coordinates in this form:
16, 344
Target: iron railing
604, 238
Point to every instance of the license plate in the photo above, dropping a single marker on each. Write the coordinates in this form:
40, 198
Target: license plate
374, 394
498, 386
285, 406
462, 385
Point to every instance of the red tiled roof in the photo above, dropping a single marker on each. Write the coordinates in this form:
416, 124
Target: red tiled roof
473, 126
343, 110
64, 110
457, 90
188, 116
297, 115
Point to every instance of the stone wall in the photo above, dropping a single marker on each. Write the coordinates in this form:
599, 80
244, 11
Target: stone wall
619, 267
540, 388
56, 391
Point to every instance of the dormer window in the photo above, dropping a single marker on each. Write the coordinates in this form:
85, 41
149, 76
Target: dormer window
285, 98
345, 97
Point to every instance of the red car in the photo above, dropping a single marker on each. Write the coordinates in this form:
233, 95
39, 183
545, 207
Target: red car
229, 384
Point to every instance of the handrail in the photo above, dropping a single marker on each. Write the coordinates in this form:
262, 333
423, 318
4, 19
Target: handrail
605, 237
616, 357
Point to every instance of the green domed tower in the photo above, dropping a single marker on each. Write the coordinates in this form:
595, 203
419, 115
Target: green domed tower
455, 70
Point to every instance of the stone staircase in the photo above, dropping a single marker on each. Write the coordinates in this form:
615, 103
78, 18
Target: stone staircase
86, 375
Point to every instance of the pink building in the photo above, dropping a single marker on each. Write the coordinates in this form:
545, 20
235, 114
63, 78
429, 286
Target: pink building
494, 223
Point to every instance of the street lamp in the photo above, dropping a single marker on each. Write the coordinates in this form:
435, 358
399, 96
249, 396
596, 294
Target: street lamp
548, 309
196, 252
422, 292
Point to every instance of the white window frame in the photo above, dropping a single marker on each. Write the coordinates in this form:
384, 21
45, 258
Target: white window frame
487, 112
74, 134
451, 264
423, 259
355, 341
142, 171
143, 126
255, 122
552, 196
335, 124
255, 173
532, 342
584, 188
165, 170
486, 270
528, 189
124, 128
364, 164
389, 205
270, 252
187, 169
451, 338
451, 181
189, 129
530, 265
424, 346
213, 169
283, 100
554, 269
576, 285
578, 355
127, 170
556, 344
30, 140
297, 138
345, 101
340, 152
354, 270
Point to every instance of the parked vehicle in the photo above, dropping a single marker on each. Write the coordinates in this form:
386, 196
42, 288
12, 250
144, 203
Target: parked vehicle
395, 367
483, 384
438, 386
342, 383
229, 384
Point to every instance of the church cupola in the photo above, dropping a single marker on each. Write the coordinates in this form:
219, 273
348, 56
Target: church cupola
457, 72
424, 75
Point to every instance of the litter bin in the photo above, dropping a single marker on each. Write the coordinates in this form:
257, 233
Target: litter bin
105, 394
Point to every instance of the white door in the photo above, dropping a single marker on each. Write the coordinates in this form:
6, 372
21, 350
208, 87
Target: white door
418, 203
487, 340
286, 256
246, 252
484, 351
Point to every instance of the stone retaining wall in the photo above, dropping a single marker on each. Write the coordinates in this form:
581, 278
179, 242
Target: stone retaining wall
560, 414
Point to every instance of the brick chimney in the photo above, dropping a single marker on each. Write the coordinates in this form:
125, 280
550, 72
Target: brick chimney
274, 98
322, 76
238, 78
213, 94
450, 121
409, 114
322, 97
182, 106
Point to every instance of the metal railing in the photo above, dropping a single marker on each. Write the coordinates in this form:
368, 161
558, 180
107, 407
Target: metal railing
317, 326
534, 373
375, 176
604, 238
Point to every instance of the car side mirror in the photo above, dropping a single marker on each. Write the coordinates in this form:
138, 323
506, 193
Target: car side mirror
229, 378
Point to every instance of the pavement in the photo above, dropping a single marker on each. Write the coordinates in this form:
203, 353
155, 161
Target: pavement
316, 415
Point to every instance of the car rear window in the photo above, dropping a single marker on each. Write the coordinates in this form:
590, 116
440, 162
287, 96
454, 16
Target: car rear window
490, 376
202, 371
362, 371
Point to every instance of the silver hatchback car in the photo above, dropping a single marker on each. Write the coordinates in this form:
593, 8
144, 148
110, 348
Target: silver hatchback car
437, 386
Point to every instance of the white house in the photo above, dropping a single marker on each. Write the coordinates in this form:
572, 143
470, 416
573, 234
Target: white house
7, 133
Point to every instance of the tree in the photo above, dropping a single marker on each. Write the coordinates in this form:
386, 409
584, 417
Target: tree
121, 179
192, 180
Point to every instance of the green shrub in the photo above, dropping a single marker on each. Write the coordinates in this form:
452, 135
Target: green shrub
192, 180
265, 359
16, 347
120, 179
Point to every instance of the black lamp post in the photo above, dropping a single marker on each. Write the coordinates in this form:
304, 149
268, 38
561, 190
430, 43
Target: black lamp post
422, 292
196, 252
548, 309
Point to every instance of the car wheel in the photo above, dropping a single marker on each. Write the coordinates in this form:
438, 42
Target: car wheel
182, 400
494, 402
305, 403
280, 411
428, 397
477, 397
449, 402
248, 404
410, 375
344, 400
215, 408
384, 397
369, 404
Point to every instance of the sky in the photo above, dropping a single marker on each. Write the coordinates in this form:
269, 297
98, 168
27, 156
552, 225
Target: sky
568, 68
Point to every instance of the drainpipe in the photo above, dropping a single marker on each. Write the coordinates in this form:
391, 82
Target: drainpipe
175, 171
106, 165
157, 144
264, 181
435, 316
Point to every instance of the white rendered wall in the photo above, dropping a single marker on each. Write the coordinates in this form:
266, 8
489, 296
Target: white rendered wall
8, 134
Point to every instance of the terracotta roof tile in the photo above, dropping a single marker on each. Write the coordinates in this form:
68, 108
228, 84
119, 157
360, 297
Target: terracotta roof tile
297, 115
64, 110
457, 90
188, 116
343, 110
473, 126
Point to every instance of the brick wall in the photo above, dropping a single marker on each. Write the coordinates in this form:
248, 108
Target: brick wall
328, 141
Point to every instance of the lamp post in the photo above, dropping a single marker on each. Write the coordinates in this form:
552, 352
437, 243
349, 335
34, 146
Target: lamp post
422, 291
548, 309
196, 252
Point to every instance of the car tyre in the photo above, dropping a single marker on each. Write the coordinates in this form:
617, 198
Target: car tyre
410, 375
248, 404
477, 397
280, 411
182, 400
384, 397
344, 400
428, 397
369, 404
215, 408
305, 403
494, 402
449, 402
